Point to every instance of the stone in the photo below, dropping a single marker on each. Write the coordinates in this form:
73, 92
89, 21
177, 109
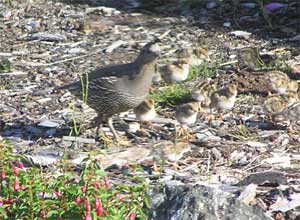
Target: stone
186, 202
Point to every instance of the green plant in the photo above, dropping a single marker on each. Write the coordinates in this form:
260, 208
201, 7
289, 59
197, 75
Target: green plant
203, 70
5, 66
77, 126
171, 95
243, 133
33, 193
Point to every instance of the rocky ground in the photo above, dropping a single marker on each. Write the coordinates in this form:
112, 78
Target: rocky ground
45, 44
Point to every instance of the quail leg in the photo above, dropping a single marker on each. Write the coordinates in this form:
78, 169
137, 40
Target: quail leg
211, 116
98, 123
221, 118
155, 167
112, 129
183, 132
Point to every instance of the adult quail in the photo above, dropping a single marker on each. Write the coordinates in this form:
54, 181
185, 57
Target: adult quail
114, 89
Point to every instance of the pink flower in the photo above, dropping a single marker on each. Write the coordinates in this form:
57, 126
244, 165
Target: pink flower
97, 185
78, 200
20, 164
16, 170
132, 216
16, 184
3, 174
100, 211
57, 193
106, 182
87, 205
43, 214
88, 215
99, 207
84, 188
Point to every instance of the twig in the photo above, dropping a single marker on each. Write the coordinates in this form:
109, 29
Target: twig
227, 63
57, 62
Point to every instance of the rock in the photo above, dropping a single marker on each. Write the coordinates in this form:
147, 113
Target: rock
47, 37
133, 127
185, 202
75, 50
78, 140
241, 34
269, 177
227, 24
211, 5
248, 195
48, 124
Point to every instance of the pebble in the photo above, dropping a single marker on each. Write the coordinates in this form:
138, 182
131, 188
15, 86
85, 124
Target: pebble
227, 24
211, 5
241, 34
133, 127
48, 124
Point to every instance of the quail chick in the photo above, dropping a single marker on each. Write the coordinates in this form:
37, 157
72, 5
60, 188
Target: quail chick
145, 111
280, 83
290, 113
277, 102
203, 92
176, 72
167, 151
186, 114
114, 89
249, 57
223, 99
195, 56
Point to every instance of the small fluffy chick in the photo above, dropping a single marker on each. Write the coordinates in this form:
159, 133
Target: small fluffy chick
176, 72
223, 99
277, 102
280, 83
249, 57
145, 112
203, 92
290, 113
195, 56
186, 114
167, 151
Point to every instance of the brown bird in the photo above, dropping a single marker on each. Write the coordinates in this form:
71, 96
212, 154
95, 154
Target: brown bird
176, 72
168, 151
203, 91
249, 57
118, 88
280, 83
290, 113
278, 102
223, 99
145, 112
194, 57
186, 114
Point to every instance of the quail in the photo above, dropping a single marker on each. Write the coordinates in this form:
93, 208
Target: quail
168, 151
118, 88
145, 111
223, 99
176, 72
278, 102
194, 57
186, 114
203, 91
290, 113
249, 57
279, 82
